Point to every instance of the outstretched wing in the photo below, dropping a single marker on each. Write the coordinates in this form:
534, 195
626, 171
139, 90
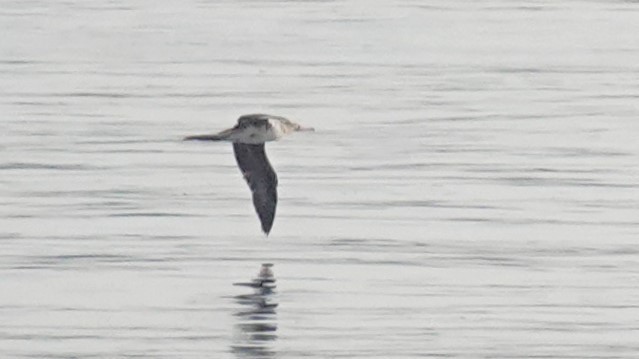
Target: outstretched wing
261, 178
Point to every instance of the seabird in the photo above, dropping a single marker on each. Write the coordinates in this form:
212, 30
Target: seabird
248, 137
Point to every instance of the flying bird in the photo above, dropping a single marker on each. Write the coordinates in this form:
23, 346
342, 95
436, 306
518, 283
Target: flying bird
248, 137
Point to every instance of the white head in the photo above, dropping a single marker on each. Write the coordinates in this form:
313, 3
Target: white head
289, 126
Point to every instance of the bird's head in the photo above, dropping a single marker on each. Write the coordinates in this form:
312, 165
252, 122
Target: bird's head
291, 126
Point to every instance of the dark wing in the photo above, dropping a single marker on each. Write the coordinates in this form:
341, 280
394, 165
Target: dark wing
261, 178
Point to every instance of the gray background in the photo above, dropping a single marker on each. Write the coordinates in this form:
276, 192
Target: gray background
471, 190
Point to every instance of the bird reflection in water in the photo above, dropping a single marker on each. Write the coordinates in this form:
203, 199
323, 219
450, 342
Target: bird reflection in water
256, 325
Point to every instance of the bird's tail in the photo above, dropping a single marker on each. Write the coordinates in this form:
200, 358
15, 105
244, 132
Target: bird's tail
222, 136
204, 138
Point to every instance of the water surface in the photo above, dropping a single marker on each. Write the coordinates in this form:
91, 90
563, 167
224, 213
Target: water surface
471, 191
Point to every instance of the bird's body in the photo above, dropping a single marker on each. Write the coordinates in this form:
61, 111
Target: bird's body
248, 137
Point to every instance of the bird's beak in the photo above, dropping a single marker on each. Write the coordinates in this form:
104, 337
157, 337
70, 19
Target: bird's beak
311, 129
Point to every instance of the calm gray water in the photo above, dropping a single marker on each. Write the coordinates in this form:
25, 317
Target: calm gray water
471, 191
